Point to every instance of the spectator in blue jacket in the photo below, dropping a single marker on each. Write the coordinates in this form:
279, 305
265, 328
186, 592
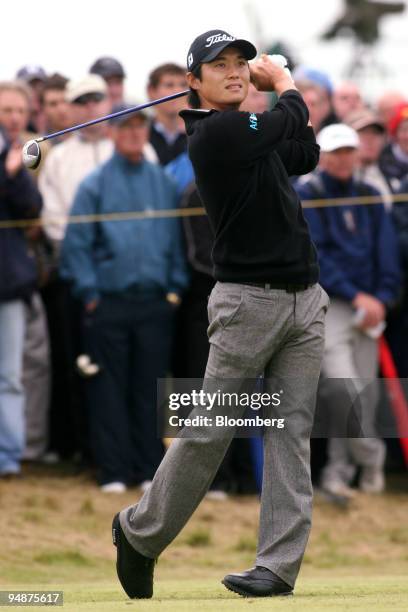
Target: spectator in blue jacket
19, 199
129, 275
359, 269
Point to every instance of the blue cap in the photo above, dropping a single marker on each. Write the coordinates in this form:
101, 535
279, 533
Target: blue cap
122, 118
31, 72
316, 76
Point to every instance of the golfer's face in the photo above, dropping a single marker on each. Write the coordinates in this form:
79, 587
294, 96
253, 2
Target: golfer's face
224, 81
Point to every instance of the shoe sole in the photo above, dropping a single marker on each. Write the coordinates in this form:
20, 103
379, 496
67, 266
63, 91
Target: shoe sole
236, 589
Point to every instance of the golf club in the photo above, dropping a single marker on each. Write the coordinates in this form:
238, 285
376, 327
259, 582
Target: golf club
32, 151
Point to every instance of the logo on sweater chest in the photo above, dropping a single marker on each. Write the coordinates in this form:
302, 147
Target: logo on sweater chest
253, 121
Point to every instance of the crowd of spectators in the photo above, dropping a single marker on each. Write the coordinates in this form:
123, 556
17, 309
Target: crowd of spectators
92, 313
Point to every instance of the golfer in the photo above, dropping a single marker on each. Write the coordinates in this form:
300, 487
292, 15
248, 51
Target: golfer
266, 314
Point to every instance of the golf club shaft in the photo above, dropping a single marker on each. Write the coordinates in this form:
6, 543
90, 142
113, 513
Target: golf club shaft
112, 115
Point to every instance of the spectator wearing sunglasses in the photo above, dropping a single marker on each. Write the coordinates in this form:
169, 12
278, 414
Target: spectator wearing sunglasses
70, 161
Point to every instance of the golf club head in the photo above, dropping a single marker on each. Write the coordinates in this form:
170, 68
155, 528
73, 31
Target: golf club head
31, 154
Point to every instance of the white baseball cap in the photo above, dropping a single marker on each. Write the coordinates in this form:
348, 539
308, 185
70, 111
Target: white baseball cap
90, 84
337, 136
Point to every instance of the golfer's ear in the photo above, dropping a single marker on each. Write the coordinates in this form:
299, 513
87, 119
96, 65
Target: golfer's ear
192, 81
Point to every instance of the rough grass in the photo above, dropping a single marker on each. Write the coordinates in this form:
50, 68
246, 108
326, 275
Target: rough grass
56, 533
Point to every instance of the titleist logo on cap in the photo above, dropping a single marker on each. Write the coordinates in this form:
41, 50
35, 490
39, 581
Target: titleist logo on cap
216, 38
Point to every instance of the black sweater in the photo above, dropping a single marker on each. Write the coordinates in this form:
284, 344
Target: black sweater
242, 163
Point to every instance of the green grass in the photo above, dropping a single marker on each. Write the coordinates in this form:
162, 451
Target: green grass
68, 557
56, 534
375, 594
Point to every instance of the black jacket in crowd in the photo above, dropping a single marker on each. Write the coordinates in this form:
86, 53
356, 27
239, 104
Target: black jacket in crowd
400, 215
199, 239
393, 169
166, 152
19, 199
242, 163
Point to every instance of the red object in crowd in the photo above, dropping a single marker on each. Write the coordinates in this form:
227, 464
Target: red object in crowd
396, 394
400, 115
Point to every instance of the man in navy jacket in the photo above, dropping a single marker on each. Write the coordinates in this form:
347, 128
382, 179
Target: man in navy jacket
360, 271
19, 199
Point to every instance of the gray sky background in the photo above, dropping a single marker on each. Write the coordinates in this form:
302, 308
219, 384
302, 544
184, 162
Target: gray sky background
68, 36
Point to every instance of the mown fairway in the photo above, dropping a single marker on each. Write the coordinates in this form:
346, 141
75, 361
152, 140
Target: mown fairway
56, 535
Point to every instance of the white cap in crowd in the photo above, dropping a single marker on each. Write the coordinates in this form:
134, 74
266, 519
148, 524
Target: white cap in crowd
90, 84
337, 136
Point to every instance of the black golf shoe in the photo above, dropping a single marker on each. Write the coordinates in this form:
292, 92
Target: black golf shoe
135, 571
257, 582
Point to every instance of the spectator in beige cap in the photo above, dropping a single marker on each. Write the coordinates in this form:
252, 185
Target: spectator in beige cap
372, 135
70, 161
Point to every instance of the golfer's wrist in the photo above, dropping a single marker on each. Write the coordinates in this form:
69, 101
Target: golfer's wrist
284, 84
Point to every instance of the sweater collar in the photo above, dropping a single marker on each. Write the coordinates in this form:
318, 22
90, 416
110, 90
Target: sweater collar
191, 115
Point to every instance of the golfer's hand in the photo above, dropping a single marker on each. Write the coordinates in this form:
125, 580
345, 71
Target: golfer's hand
374, 309
268, 76
14, 160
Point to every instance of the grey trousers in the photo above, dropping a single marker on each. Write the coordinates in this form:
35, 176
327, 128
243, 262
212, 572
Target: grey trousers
350, 354
36, 379
252, 330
